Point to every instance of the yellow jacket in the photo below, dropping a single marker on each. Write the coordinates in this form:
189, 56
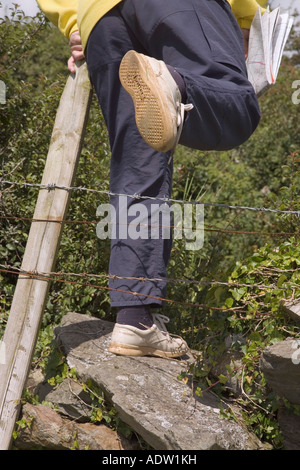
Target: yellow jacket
82, 15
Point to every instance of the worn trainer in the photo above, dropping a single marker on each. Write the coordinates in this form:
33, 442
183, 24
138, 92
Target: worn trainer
128, 340
159, 113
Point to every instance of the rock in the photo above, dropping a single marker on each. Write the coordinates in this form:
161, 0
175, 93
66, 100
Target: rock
289, 424
233, 359
147, 392
280, 365
292, 308
71, 400
50, 431
37, 385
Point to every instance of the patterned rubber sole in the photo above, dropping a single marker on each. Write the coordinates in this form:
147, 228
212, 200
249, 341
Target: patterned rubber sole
139, 80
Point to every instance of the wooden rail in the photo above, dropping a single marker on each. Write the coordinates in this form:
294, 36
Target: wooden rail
22, 329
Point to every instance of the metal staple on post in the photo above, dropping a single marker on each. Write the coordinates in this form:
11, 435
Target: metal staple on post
22, 329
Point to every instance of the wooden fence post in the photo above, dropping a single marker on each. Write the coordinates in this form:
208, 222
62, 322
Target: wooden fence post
22, 329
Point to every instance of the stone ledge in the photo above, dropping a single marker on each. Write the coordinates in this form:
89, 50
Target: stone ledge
147, 393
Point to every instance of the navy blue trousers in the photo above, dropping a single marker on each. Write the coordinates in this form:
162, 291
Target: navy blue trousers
203, 42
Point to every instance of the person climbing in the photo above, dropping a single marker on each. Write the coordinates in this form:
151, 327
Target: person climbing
165, 72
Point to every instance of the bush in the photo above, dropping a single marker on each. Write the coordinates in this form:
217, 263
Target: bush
232, 287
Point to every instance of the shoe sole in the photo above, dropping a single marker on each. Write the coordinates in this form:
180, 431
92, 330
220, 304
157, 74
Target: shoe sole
130, 350
153, 122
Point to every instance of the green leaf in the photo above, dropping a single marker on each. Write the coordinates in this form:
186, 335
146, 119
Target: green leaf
223, 379
281, 280
229, 302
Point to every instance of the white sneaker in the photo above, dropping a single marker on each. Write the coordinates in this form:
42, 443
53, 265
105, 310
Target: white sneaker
127, 340
159, 113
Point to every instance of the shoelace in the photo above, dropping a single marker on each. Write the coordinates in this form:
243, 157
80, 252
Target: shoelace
181, 110
160, 321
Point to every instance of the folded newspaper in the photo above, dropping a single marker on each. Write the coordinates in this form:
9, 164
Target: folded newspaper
268, 35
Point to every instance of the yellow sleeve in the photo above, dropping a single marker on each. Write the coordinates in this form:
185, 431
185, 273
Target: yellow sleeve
244, 11
62, 13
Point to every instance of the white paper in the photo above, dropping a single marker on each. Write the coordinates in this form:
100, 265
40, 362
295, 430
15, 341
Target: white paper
268, 35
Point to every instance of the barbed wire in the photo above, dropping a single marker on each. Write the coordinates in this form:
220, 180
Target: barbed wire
152, 279
94, 222
52, 186
54, 277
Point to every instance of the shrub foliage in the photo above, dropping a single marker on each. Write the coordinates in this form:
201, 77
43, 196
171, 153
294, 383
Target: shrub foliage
234, 287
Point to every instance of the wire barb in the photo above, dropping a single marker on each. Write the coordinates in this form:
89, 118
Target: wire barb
52, 186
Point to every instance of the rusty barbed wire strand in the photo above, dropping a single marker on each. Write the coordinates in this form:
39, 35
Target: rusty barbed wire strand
48, 277
52, 186
207, 228
152, 279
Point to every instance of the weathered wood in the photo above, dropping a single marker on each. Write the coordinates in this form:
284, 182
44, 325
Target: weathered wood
18, 343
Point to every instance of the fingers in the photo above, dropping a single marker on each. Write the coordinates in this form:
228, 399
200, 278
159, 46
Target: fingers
77, 54
71, 65
75, 38
76, 51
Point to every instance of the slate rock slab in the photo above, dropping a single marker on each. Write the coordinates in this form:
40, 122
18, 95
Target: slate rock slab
290, 427
147, 393
280, 364
72, 401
